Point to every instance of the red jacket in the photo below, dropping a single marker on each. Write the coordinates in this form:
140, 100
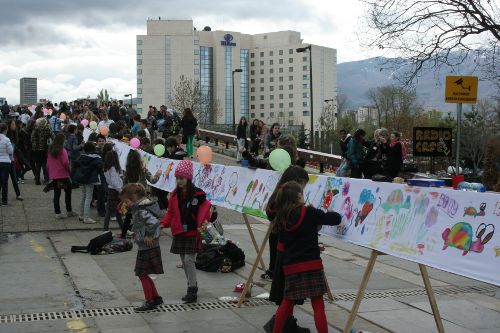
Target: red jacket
172, 218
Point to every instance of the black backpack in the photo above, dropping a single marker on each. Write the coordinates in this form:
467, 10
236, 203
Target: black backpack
96, 244
220, 258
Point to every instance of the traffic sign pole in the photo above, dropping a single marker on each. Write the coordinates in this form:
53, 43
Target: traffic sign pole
459, 125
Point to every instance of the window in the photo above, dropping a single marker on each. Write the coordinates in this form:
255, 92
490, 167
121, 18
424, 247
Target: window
290, 69
139, 61
252, 115
290, 122
139, 51
271, 88
271, 79
304, 58
271, 97
252, 63
139, 71
262, 71
261, 80
262, 54
271, 71
290, 95
305, 113
271, 53
252, 98
252, 107
290, 87
271, 106
305, 104
196, 51
281, 78
290, 104
196, 42
290, 113
281, 96
139, 81
252, 55
305, 95
262, 106
271, 62
196, 61
196, 71
262, 115
262, 62
290, 78
261, 89
281, 114
280, 52
261, 97
305, 77
139, 42
271, 114
252, 80
252, 89
281, 87
281, 70
281, 105
304, 68
252, 72
290, 60
139, 91
305, 86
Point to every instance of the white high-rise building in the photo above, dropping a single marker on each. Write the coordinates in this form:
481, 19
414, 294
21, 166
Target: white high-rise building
28, 91
273, 85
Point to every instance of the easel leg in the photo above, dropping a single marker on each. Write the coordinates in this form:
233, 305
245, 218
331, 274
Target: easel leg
361, 291
432, 298
254, 267
329, 292
249, 227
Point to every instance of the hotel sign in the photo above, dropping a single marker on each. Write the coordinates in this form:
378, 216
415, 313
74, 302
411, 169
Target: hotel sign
228, 40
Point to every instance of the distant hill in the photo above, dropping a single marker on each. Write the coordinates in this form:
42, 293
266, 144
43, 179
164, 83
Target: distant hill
356, 77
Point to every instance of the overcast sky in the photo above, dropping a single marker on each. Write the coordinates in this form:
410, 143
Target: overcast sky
75, 48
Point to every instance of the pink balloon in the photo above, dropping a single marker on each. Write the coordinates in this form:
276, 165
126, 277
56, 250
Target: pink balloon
84, 122
45, 110
135, 143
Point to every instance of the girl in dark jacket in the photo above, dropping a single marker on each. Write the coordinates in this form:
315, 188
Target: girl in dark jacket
241, 137
40, 140
87, 169
189, 126
394, 153
302, 265
255, 137
355, 153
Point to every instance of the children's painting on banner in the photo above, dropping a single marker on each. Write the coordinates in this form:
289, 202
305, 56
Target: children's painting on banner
450, 230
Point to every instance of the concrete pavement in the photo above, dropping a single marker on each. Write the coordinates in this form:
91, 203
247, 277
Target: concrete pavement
45, 288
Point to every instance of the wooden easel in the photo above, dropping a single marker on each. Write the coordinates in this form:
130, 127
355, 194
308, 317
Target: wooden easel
254, 242
258, 259
364, 283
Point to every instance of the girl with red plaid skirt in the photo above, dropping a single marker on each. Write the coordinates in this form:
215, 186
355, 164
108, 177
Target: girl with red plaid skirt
145, 215
188, 209
302, 265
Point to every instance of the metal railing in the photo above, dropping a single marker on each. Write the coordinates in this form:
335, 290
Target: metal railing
322, 161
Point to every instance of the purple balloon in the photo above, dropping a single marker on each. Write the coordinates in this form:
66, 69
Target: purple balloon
135, 143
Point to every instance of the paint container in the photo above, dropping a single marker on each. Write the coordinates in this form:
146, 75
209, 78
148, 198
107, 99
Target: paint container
455, 180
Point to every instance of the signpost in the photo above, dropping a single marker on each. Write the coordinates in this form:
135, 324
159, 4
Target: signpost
460, 89
432, 141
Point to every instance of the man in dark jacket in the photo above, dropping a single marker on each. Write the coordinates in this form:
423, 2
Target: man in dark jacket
5, 110
344, 141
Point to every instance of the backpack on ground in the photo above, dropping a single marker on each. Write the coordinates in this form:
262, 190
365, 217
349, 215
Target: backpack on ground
95, 245
118, 245
220, 258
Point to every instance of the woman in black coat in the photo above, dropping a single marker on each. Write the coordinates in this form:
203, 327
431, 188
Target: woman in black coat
394, 156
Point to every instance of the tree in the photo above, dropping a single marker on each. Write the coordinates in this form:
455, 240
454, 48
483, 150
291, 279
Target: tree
186, 93
103, 96
432, 33
475, 132
302, 140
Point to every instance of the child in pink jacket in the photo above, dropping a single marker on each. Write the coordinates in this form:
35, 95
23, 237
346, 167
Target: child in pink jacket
188, 209
59, 173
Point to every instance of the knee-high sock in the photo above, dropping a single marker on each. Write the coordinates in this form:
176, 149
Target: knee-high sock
284, 312
147, 287
318, 306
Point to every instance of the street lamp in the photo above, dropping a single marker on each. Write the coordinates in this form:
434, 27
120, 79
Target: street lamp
127, 95
311, 132
238, 70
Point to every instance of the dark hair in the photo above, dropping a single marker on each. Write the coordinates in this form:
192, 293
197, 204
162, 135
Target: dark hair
108, 146
3, 127
12, 134
111, 160
92, 137
291, 151
133, 191
145, 122
80, 127
137, 117
241, 121
89, 147
57, 145
113, 128
133, 168
273, 126
188, 114
141, 133
158, 141
359, 134
292, 173
72, 128
100, 136
145, 141
396, 134
287, 202
342, 131
171, 142
256, 120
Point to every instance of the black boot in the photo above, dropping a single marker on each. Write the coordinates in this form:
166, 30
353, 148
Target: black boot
158, 300
191, 295
146, 306
269, 326
292, 327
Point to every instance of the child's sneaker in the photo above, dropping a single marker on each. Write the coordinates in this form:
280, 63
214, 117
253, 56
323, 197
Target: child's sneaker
146, 306
88, 220
113, 218
80, 218
158, 300
71, 214
59, 216
268, 275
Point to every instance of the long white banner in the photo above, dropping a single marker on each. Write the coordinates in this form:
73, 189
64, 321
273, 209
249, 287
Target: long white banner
449, 230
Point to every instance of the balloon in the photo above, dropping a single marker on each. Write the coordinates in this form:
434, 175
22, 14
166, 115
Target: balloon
159, 150
45, 110
135, 143
104, 131
280, 160
204, 154
93, 125
84, 122
62, 116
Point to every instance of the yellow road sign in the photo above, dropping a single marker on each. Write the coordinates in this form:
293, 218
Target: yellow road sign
461, 89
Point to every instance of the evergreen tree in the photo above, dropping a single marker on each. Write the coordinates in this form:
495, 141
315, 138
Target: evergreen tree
303, 138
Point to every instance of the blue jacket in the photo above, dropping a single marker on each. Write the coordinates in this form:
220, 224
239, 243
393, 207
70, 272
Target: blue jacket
355, 152
87, 169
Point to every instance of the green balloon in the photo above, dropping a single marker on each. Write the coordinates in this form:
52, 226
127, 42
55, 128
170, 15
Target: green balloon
280, 160
159, 150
